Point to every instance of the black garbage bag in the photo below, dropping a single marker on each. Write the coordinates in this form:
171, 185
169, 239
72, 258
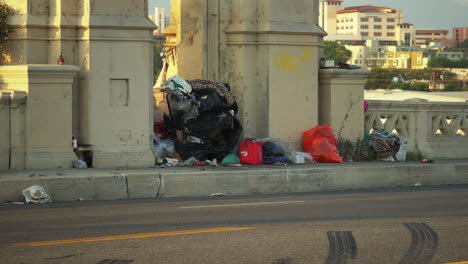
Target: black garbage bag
215, 144
270, 149
210, 101
206, 116
210, 121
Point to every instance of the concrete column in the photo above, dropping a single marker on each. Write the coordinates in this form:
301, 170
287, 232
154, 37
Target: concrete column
114, 52
48, 115
29, 40
267, 50
341, 103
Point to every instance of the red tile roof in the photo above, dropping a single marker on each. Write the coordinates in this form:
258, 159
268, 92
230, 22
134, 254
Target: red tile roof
367, 8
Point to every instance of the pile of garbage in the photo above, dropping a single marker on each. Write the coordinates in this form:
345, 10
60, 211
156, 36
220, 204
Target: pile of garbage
200, 127
201, 123
388, 146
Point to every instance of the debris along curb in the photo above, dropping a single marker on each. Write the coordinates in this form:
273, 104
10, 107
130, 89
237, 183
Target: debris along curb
191, 182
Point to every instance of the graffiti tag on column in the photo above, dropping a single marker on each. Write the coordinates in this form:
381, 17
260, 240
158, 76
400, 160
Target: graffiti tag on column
289, 62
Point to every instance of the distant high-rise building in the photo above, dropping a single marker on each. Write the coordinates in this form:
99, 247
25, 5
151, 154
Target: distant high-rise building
426, 36
160, 18
459, 35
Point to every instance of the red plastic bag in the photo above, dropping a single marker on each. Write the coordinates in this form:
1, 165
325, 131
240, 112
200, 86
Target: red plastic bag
251, 152
322, 144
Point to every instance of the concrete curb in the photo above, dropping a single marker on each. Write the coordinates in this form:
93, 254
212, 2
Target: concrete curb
196, 183
310, 179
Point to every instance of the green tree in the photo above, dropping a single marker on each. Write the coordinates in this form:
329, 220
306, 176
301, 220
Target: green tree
464, 44
440, 62
336, 52
419, 86
5, 29
451, 87
378, 79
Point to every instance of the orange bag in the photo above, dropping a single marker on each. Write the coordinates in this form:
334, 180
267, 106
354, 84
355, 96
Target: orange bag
322, 144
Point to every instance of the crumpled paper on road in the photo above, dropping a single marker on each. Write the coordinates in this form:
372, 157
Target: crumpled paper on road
36, 195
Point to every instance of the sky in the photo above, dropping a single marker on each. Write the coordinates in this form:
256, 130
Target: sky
424, 14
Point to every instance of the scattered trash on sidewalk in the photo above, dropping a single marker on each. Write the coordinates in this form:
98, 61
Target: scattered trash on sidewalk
218, 194
230, 159
36, 194
79, 164
427, 161
13, 202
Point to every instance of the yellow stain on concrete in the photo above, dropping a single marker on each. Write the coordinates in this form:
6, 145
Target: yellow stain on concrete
289, 62
136, 236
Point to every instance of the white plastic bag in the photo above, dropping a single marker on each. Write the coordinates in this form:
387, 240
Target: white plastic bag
178, 83
36, 194
79, 164
401, 154
162, 146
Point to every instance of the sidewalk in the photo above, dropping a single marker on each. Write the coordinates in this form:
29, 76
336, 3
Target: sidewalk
111, 184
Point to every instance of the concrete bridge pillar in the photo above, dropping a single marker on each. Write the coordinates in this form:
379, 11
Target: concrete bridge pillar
268, 50
111, 42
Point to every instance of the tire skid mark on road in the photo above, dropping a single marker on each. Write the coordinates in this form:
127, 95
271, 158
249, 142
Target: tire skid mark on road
424, 244
342, 247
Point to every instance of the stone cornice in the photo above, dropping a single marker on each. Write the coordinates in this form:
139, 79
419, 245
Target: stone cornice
13, 96
38, 73
410, 105
279, 28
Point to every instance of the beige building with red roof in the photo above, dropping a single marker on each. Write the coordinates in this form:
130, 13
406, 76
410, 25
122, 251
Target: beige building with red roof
360, 23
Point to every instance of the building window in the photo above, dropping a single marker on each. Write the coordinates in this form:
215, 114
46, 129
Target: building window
390, 27
379, 63
369, 63
377, 19
390, 20
378, 34
365, 19
377, 27
364, 34
390, 34
364, 26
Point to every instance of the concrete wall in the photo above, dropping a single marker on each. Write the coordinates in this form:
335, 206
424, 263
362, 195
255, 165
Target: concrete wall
341, 103
267, 50
44, 141
111, 42
12, 120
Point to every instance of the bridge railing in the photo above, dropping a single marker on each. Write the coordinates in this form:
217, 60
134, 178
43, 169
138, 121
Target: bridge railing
436, 129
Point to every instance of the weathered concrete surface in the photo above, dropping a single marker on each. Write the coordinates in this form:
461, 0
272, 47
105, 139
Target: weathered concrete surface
101, 184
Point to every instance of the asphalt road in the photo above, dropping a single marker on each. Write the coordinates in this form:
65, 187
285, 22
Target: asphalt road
398, 226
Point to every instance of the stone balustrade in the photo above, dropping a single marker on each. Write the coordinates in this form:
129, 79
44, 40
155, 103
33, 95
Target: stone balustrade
436, 129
